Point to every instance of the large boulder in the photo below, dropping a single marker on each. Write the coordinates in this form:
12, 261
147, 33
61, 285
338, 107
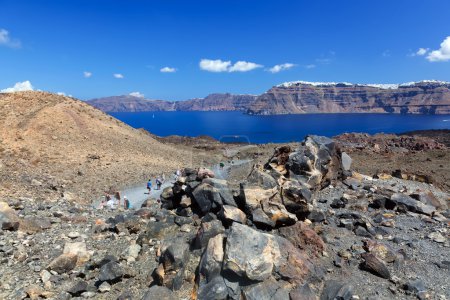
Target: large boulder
212, 259
173, 261
249, 253
256, 256
230, 214
258, 177
277, 213
253, 196
303, 237
211, 194
206, 231
296, 197
316, 162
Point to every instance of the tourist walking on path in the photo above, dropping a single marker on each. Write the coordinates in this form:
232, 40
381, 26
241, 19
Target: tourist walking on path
158, 183
149, 185
126, 202
118, 198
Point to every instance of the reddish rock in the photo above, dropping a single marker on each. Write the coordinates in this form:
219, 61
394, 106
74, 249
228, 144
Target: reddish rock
303, 237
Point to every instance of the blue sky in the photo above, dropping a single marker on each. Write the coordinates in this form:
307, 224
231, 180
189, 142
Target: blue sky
77, 46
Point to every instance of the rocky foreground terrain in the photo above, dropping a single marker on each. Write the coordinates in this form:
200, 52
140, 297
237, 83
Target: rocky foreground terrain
52, 145
301, 225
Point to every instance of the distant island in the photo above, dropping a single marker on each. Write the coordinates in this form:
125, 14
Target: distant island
300, 97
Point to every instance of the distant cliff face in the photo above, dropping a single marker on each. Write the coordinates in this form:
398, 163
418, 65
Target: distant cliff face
213, 102
130, 104
426, 97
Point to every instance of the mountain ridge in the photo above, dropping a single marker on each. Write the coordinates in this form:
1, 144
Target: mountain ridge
298, 97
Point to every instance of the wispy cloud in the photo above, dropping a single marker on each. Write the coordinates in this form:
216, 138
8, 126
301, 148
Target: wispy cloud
118, 76
219, 65
327, 58
6, 40
310, 66
386, 53
137, 94
168, 70
87, 74
281, 67
442, 54
419, 52
422, 51
19, 87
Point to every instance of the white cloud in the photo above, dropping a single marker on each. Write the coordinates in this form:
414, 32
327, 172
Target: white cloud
310, 66
137, 94
61, 93
386, 53
87, 74
282, 67
5, 39
443, 54
422, 51
168, 70
118, 76
219, 65
214, 65
243, 66
19, 87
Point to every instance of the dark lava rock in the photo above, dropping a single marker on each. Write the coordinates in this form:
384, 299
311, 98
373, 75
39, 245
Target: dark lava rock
77, 289
159, 293
375, 265
267, 290
317, 216
415, 286
303, 292
261, 179
176, 255
261, 220
336, 290
361, 231
338, 203
111, 272
206, 231
215, 289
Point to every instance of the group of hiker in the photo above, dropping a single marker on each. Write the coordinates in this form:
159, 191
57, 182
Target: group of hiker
158, 182
113, 200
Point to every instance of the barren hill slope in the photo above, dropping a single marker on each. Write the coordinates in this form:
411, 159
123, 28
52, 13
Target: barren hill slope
61, 146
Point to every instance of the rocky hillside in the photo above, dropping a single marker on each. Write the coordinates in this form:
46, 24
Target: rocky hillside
425, 97
58, 145
302, 226
213, 102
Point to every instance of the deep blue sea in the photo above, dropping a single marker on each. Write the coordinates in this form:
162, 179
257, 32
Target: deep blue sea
236, 126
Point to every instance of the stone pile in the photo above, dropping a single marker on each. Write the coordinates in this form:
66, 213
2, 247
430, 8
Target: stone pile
303, 226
